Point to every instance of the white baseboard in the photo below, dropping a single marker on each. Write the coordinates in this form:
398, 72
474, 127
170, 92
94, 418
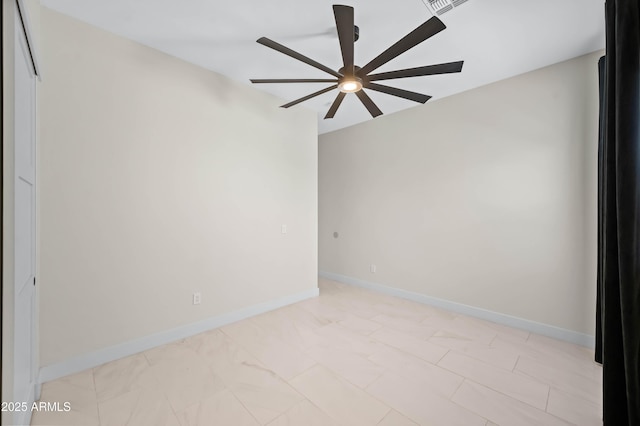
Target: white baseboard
112, 353
508, 320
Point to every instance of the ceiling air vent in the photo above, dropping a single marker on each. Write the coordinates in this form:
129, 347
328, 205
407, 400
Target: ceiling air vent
439, 7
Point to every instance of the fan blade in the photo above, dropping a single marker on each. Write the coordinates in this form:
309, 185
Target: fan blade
283, 49
294, 80
447, 68
401, 93
335, 105
432, 27
313, 95
368, 103
344, 24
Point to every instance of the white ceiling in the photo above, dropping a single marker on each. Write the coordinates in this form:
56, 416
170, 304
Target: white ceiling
497, 39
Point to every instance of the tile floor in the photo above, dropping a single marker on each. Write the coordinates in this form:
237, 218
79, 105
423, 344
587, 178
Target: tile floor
349, 357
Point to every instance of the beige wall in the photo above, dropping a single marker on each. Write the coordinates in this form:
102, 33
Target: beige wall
486, 198
159, 179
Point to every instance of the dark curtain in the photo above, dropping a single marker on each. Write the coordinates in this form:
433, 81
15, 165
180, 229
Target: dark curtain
618, 308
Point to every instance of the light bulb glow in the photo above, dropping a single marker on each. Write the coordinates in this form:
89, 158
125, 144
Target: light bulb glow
350, 86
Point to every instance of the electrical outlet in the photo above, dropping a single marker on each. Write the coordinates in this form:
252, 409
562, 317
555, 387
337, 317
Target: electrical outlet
197, 298
373, 269
283, 229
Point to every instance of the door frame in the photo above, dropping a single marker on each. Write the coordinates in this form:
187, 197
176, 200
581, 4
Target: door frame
21, 24
32, 43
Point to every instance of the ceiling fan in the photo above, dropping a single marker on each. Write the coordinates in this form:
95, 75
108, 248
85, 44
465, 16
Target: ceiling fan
353, 79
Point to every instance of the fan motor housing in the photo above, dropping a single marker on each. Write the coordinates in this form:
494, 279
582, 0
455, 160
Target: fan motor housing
355, 70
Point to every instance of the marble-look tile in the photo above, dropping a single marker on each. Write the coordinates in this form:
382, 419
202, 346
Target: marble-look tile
359, 325
183, 375
341, 338
498, 357
373, 352
305, 413
519, 387
453, 340
222, 408
577, 363
418, 347
70, 418
565, 380
293, 325
477, 328
405, 325
377, 298
139, 407
505, 332
121, 376
545, 343
417, 401
464, 327
176, 351
266, 401
193, 343
338, 398
440, 381
327, 286
396, 419
83, 380
284, 359
353, 367
574, 410
442, 314
323, 310
575, 358
399, 308
258, 388
501, 409
214, 346
352, 304
82, 401
76, 389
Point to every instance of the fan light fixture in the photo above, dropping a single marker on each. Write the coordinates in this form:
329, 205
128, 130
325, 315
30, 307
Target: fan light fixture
350, 86
354, 79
